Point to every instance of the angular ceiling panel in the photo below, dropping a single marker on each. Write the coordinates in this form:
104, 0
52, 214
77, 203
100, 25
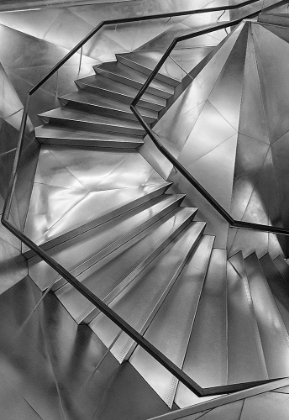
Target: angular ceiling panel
253, 121
250, 157
215, 171
280, 153
227, 92
210, 130
272, 55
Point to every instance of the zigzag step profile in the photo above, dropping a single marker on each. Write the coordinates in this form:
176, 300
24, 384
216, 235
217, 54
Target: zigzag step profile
112, 274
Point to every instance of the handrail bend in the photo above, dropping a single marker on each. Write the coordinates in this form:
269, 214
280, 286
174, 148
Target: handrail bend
193, 181
131, 332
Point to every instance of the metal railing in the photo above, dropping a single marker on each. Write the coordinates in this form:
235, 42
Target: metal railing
98, 303
193, 181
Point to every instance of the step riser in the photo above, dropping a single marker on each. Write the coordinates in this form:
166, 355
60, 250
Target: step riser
131, 345
116, 291
119, 97
84, 228
88, 143
99, 110
95, 127
132, 83
136, 66
108, 250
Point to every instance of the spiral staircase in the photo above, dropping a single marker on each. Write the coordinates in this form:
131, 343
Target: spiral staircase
104, 213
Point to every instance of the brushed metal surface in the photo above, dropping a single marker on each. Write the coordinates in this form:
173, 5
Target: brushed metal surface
274, 336
171, 327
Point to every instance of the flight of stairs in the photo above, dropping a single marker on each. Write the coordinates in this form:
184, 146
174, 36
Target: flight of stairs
221, 320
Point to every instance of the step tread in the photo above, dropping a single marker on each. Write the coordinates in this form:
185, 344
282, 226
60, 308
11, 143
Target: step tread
125, 91
139, 301
121, 266
76, 115
246, 360
174, 320
273, 333
144, 194
279, 288
124, 72
84, 250
86, 137
147, 60
87, 98
206, 357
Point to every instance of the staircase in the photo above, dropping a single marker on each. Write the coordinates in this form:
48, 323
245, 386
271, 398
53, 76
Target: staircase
134, 245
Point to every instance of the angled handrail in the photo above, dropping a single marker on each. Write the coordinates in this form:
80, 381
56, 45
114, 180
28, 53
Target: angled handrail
98, 303
217, 206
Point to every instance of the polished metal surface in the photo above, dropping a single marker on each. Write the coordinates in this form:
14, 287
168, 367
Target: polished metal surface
130, 303
171, 327
104, 106
84, 179
70, 178
274, 336
115, 272
206, 358
124, 93
246, 359
279, 287
126, 75
85, 249
64, 136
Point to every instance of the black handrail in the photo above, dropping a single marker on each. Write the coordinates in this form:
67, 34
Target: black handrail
131, 332
217, 206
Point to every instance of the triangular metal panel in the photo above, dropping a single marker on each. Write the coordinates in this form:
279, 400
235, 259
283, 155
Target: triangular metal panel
227, 92
253, 121
210, 130
272, 55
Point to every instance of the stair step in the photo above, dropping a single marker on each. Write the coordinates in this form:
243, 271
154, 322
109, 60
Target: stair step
206, 357
278, 19
145, 62
89, 248
138, 303
111, 89
73, 118
279, 288
63, 136
128, 76
92, 102
246, 360
171, 328
148, 192
283, 267
111, 275
274, 336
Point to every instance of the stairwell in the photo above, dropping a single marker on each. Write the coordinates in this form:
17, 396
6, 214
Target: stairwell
104, 213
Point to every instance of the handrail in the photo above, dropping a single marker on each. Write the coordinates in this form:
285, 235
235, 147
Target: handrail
130, 20
217, 206
131, 332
